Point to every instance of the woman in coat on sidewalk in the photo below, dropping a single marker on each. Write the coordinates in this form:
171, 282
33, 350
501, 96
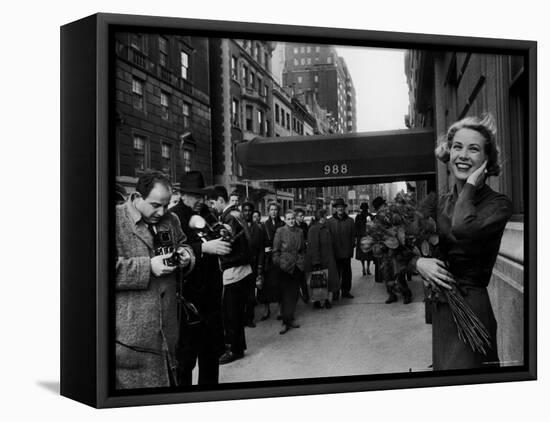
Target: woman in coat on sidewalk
288, 255
320, 255
471, 220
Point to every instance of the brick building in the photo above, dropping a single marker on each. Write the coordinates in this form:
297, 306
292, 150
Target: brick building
447, 86
162, 106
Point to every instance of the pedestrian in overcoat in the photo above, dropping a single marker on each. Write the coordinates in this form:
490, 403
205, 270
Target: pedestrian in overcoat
320, 255
145, 287
342, 229
288, 255
269, 293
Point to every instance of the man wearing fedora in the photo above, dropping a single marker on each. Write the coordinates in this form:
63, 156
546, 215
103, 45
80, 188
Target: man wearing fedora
342, 230
202, 341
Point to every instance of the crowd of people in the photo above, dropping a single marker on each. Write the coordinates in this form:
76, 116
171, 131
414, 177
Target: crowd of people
250, 262
194, 266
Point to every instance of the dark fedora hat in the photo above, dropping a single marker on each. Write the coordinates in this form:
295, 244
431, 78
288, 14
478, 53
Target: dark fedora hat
378, 202
192, 182
364, 206
339, 203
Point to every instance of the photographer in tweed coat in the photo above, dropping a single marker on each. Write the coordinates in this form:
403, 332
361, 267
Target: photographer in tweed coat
145, 288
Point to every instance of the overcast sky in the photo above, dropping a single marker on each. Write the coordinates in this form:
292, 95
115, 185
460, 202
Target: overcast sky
380, 85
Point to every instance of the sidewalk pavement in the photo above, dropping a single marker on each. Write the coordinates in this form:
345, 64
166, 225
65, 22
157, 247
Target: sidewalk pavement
357, 336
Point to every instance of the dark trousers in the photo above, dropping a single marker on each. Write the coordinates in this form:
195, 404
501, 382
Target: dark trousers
344, 272
289, 285
234, 302
377, 272
198, 345
401, 284
250, 300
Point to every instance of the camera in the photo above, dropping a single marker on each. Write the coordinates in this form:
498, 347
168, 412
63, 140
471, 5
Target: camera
164, 245
215, 230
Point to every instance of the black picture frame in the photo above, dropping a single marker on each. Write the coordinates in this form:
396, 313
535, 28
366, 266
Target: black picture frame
86, 189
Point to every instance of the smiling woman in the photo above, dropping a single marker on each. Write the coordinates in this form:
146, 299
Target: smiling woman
470, 221
468, 143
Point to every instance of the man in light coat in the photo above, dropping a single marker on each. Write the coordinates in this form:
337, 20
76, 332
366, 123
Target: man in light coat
145, 286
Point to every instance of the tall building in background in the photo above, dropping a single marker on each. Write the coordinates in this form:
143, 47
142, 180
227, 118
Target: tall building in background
162, 106
318, 69
321, 77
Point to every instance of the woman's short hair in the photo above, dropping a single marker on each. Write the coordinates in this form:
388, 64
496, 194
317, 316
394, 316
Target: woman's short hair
290, 212
320, 213
274, 204
486, 126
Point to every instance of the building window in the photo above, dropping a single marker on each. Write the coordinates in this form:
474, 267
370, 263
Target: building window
259, 85
249, 118
187, 159
165, 105
316, 78
317, 49
295, 62
308, 49
266, 91
234, 67
186, 111
137, 91
288, 121
329, 59
300, 79
261, 122
308, 60
251, 79
302, 49
282, 117
184, 64
245, 74
302, 61
163, 52
266, 60
235, 117
295, 50
137, 42
166, 154
277, 113
140, 154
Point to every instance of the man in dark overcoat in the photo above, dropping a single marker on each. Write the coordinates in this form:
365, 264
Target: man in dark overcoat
202, 341
257, 261
342, 230
145, 287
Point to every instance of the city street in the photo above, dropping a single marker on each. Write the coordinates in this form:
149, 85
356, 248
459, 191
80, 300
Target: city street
357, 336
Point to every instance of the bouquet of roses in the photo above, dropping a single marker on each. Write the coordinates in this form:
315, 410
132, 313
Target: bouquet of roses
399, 231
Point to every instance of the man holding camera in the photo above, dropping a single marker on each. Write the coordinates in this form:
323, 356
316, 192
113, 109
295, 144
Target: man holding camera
237, 273
150, 248
201, 340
